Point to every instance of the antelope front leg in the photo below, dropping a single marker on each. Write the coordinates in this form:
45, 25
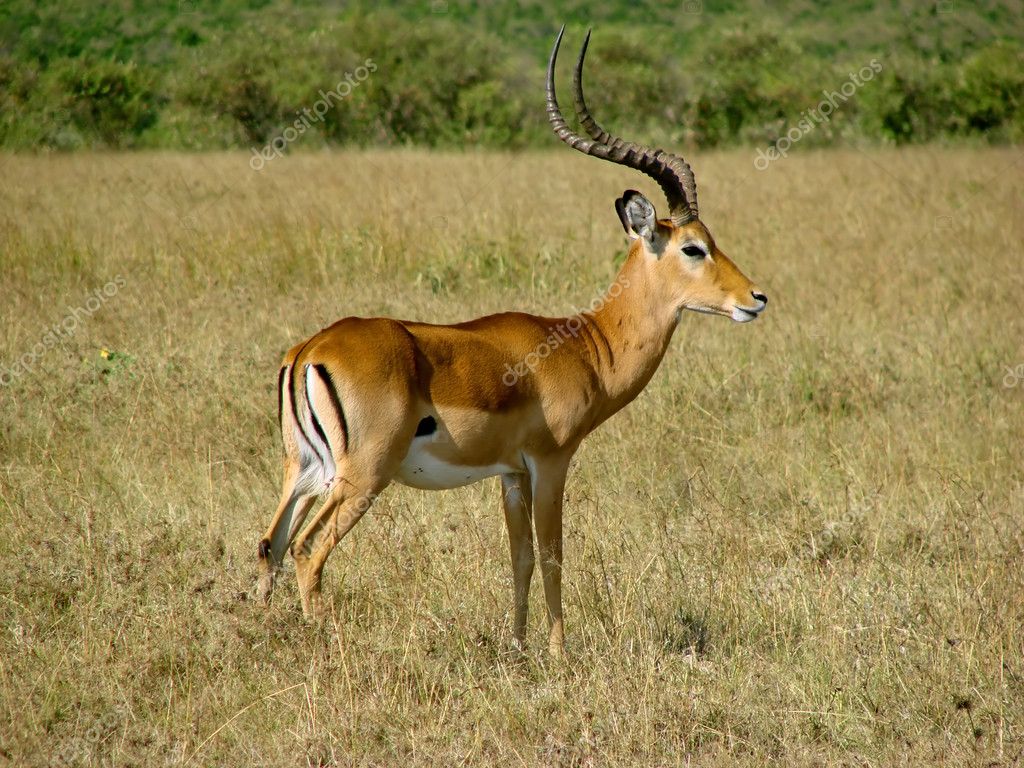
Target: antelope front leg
548, 489
516, 501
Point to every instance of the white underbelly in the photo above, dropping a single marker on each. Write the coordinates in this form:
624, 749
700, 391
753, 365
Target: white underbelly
421, 469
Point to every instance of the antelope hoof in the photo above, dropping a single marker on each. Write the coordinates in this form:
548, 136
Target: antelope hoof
313, 607
264, 586
312, 600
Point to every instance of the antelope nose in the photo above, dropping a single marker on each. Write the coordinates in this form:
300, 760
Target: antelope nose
759, 297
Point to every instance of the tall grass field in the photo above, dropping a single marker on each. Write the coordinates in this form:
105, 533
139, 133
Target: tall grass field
803, 544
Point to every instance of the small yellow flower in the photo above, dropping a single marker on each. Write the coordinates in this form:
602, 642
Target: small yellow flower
104, 353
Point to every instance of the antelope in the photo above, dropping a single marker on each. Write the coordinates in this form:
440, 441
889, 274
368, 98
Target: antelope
369, 401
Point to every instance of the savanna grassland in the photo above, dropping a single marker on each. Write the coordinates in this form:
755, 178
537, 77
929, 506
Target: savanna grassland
801, 544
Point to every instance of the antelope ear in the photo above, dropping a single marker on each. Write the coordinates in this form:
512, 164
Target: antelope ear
637, 215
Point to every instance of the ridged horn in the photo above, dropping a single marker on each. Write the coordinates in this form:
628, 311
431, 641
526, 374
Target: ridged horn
671, 173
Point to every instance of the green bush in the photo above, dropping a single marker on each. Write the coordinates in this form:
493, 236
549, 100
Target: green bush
241, 72
75, 103
908, 101
241, 89
990, 93
110, 101
751, 84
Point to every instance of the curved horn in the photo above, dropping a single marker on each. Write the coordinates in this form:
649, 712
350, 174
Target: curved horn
671, 173
596, 132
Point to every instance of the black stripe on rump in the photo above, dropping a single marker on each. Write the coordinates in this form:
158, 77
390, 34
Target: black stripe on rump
280, 397
292, 397
316, 423
328, 382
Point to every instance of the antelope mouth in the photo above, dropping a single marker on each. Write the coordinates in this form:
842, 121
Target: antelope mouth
744, 315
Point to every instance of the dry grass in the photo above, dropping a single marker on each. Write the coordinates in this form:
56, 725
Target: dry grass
802, 543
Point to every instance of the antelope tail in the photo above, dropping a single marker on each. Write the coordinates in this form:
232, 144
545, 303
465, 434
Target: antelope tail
311, 413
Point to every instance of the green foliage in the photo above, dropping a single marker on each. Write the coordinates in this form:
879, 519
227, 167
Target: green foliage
108, 100
752, 82
992, 90
75, 103
908, 102
242, 89
238, 73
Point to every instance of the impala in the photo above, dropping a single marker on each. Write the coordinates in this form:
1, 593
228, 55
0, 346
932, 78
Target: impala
369, 401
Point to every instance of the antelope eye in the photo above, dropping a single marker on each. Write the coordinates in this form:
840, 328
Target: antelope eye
695, 251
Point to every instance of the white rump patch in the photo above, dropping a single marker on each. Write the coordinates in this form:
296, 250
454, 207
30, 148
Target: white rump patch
315, 458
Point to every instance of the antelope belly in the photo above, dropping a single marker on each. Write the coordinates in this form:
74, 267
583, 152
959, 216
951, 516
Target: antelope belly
422, 469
